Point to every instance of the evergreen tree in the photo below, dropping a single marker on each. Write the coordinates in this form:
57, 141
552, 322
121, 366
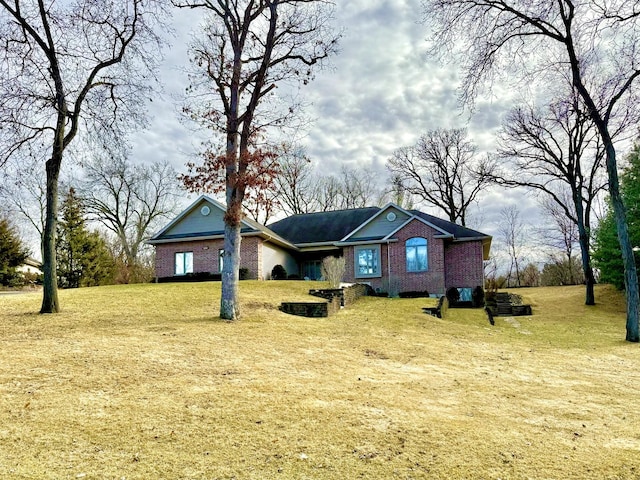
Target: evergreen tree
12, 253
98, 264
607, 254
83, 257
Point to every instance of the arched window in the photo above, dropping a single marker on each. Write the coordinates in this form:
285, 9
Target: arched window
417, 254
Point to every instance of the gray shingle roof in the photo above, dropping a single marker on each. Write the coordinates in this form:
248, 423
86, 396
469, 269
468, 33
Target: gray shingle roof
333, 226
322, 226
458, 231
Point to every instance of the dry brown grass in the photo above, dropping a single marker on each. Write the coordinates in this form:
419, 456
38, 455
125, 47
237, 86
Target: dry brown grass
140, 382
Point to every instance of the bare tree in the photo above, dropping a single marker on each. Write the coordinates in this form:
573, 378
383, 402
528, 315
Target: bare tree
24, 193
596, 43
443, 170
397, 193
247, 49
129, 201
358, 187
295, 181
554, 152
62, 65
562, 236
301, 190
512, 234
333, 270
326, 193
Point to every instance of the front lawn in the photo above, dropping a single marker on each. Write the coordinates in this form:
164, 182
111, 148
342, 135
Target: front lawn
143, 382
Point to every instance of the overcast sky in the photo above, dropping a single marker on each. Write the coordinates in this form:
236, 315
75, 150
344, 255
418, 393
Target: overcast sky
381, 92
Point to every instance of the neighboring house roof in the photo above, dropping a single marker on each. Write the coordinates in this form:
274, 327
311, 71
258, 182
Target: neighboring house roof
32, 262
322, 227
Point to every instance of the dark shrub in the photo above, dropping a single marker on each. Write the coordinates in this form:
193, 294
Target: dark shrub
414, 294
379, 294
243, 273
192, 277
477, 297
294, 276
453, 295
278, 273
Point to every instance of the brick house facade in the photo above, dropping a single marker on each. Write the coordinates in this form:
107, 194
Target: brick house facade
389, 248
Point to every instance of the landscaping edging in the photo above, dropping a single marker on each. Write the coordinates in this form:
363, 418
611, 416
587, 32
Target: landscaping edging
347, 295
335, 298
312, 309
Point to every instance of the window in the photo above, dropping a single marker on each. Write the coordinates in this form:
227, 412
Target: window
417, 254
465, 294
184, 263
220, 260
367, 261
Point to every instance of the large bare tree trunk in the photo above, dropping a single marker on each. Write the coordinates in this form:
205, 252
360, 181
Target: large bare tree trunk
229, 305
50, 303
628, 260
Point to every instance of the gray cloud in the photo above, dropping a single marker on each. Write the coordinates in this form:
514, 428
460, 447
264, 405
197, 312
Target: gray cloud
380, 93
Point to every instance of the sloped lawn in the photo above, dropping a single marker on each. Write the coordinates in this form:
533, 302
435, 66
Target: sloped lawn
143, 382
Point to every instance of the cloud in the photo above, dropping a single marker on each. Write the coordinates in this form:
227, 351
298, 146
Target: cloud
380, 93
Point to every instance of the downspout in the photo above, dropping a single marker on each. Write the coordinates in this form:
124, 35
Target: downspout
389, 263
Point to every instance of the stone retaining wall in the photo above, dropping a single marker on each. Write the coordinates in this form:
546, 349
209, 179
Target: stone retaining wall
312, 309
347, 295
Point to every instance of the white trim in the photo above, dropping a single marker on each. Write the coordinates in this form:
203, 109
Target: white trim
367, 242
188, 210
180, 216
378, 250
374, 216
185, 239
256, 228
444, 233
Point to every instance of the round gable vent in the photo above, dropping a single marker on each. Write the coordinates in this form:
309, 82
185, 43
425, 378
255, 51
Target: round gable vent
391, 216
205, 210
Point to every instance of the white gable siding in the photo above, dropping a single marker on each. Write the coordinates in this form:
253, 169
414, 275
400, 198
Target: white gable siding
272, 256
381, 226
195, 222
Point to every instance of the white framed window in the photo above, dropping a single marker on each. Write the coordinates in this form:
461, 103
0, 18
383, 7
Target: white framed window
184, 263
220, 260
367, 261
416, 250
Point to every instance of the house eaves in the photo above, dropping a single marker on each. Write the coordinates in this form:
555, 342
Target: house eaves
273, 238
367, 242
373, 217
443, 233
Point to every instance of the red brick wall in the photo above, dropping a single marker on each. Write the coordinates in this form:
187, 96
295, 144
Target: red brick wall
433, 280
450, 264
205, 256
464, 264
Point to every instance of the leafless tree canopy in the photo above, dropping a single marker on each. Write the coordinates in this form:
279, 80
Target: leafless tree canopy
512, 233
557, 152
63, 68
70, 59
562, 237
129, 200
593, 44
294, 181
247, 50
524, 38
443, 169
23, 192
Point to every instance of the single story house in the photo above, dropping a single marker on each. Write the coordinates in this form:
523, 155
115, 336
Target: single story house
31, 266
390, 248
